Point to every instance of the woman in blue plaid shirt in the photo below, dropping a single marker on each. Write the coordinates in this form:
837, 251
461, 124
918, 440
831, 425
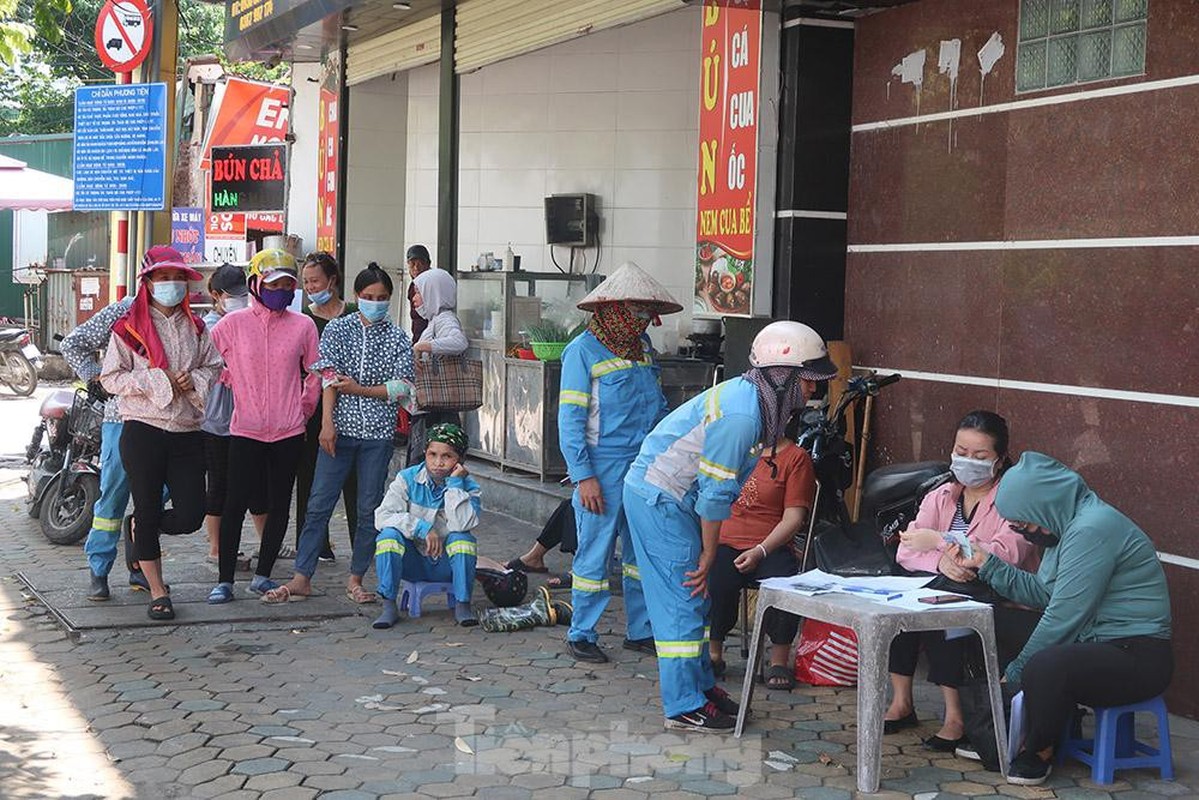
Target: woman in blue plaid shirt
366, 369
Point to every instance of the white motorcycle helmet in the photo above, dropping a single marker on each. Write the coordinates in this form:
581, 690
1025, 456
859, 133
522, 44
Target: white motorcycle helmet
792, 344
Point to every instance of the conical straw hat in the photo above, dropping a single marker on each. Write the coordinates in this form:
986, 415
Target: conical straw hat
631, 282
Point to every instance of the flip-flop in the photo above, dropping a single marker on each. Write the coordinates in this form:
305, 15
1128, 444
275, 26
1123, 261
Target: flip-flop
784, 676
281, 595
521, 566
559, 580
361, 596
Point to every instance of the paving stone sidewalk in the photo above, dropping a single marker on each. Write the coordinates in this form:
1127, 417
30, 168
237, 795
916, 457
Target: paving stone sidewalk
302, 708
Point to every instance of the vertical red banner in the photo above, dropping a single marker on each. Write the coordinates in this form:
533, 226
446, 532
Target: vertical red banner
326, 195
730, 64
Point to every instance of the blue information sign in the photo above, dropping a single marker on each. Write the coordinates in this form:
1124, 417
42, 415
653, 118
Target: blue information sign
120, 147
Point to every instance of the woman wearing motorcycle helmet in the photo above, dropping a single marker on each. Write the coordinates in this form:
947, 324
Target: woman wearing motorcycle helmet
267, 349
680, 488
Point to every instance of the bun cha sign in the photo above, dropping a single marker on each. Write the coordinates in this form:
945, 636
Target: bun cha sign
249, 178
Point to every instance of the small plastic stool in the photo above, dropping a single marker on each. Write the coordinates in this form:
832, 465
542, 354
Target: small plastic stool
1015, 731
1115, 745
413, 593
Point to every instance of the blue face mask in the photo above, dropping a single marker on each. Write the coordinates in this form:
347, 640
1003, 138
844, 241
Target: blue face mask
321, 297
374, 310
168, 293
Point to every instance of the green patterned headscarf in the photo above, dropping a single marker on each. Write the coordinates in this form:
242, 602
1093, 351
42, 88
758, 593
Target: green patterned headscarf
451, 434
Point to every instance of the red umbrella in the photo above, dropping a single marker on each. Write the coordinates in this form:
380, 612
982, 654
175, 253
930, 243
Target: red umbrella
31, 189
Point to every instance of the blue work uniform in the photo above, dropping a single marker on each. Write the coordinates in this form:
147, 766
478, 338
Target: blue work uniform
606, 407
81, 349
691, 467
416, 504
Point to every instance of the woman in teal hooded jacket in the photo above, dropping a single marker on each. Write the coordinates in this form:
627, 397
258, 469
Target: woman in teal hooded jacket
1104, 636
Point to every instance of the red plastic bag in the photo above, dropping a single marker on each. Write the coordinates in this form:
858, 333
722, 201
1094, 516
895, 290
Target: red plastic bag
827, 655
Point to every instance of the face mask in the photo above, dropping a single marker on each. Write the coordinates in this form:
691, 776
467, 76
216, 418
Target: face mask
321, 297
232, 303
168, 293
972, 472
277, 299
1040, 538
374, 310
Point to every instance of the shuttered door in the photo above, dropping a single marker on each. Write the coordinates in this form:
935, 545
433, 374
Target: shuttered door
405, 48
493, 30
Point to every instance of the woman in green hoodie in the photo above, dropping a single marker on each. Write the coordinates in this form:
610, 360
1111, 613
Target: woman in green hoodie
1104, 637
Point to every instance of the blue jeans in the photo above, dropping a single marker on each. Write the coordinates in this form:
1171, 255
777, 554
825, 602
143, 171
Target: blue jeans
109, 510
371, 458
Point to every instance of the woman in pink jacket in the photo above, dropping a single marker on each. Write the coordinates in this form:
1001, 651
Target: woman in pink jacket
965, 505
267, 350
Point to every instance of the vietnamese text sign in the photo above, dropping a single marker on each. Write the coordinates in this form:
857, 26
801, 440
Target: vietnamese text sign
731, 32
120, 147
326, 175
187, 233
250, 178
247, 112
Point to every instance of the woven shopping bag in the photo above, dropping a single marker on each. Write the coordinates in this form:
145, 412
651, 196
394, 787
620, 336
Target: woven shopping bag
449, 383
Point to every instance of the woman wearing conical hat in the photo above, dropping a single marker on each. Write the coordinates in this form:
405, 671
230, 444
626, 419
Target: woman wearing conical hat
611, 398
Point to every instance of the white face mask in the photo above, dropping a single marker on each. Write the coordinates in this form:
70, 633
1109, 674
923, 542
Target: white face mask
972, 472
234, 303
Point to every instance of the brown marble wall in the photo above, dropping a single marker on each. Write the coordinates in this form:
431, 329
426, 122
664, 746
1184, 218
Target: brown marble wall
1111, 318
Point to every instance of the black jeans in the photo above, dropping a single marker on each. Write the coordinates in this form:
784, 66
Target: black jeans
155, 459
725, 584
216, 461
945, 656
267, 469
1113, 673
306, 472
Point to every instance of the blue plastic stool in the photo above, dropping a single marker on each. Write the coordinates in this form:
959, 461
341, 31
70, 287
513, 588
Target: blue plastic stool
413, 592
1015, 731
1115, 746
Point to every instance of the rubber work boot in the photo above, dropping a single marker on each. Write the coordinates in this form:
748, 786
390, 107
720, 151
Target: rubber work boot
389, 616
587, 651
98, 591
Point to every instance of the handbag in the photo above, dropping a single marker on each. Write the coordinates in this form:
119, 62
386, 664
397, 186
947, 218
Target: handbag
449, 383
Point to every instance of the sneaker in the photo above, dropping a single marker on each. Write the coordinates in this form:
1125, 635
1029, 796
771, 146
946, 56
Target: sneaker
721, 699
587, 651
327, 555
708, 719
98, 591
967, 751
645, 645
1028, 769
138, 581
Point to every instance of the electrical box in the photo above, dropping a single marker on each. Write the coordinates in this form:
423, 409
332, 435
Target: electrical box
571, 220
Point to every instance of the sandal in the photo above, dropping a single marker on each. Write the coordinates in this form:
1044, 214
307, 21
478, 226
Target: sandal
521, 566
780, 677
161, 608
221, 593
559, 580
359, 594
719, 667
281, 596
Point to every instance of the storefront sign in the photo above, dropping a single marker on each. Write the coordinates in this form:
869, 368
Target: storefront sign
250, 178
187, 233
326, 192
730, 63
221, 250
254, 27
247, 112
120, 147
225, 226
272, 223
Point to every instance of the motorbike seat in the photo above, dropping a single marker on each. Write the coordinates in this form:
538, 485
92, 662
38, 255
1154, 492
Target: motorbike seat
11, 334
57, 405
887, 485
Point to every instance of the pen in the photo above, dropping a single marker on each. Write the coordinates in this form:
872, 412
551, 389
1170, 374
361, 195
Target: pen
883, 593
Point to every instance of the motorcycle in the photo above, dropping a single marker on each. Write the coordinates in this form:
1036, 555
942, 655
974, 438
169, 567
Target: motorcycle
64, 472
889, 496
20, 361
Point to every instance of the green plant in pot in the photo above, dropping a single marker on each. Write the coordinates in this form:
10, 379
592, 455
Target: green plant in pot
549, 339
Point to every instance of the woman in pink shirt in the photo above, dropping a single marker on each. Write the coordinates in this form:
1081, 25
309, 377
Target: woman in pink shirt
268, 350
964, 505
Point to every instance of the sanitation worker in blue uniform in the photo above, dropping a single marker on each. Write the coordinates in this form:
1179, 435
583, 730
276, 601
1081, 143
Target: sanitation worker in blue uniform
683, 484
611, 398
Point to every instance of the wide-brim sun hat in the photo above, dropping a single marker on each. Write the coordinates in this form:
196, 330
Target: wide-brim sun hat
162, 256
630, 283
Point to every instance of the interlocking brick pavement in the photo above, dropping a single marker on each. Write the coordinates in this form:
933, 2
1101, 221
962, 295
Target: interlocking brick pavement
330, 708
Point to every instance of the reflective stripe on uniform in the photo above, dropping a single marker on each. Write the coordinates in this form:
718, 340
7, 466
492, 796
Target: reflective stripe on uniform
683, 649
712, 405
716, 471
462, 547
631, 571
587, 585
105, 524
389, 546
572, 398
609, 366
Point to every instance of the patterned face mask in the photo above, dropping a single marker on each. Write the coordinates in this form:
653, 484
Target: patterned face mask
619, 328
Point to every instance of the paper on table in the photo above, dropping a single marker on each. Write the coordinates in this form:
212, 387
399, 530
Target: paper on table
818, 581
911, 601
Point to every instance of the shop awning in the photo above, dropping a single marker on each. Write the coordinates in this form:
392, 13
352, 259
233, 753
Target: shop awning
31, 189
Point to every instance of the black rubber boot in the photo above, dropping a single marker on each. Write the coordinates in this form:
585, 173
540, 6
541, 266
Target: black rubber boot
98, 591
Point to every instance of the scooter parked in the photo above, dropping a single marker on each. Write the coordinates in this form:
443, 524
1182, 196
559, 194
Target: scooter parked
64, 458
20, 360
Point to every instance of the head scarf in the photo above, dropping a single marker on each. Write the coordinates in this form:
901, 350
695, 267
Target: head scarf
438, 292
780, 394
619, 330
451, 434
136, 326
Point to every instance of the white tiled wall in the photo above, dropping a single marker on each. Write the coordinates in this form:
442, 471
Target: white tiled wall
614, 113
375, 182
